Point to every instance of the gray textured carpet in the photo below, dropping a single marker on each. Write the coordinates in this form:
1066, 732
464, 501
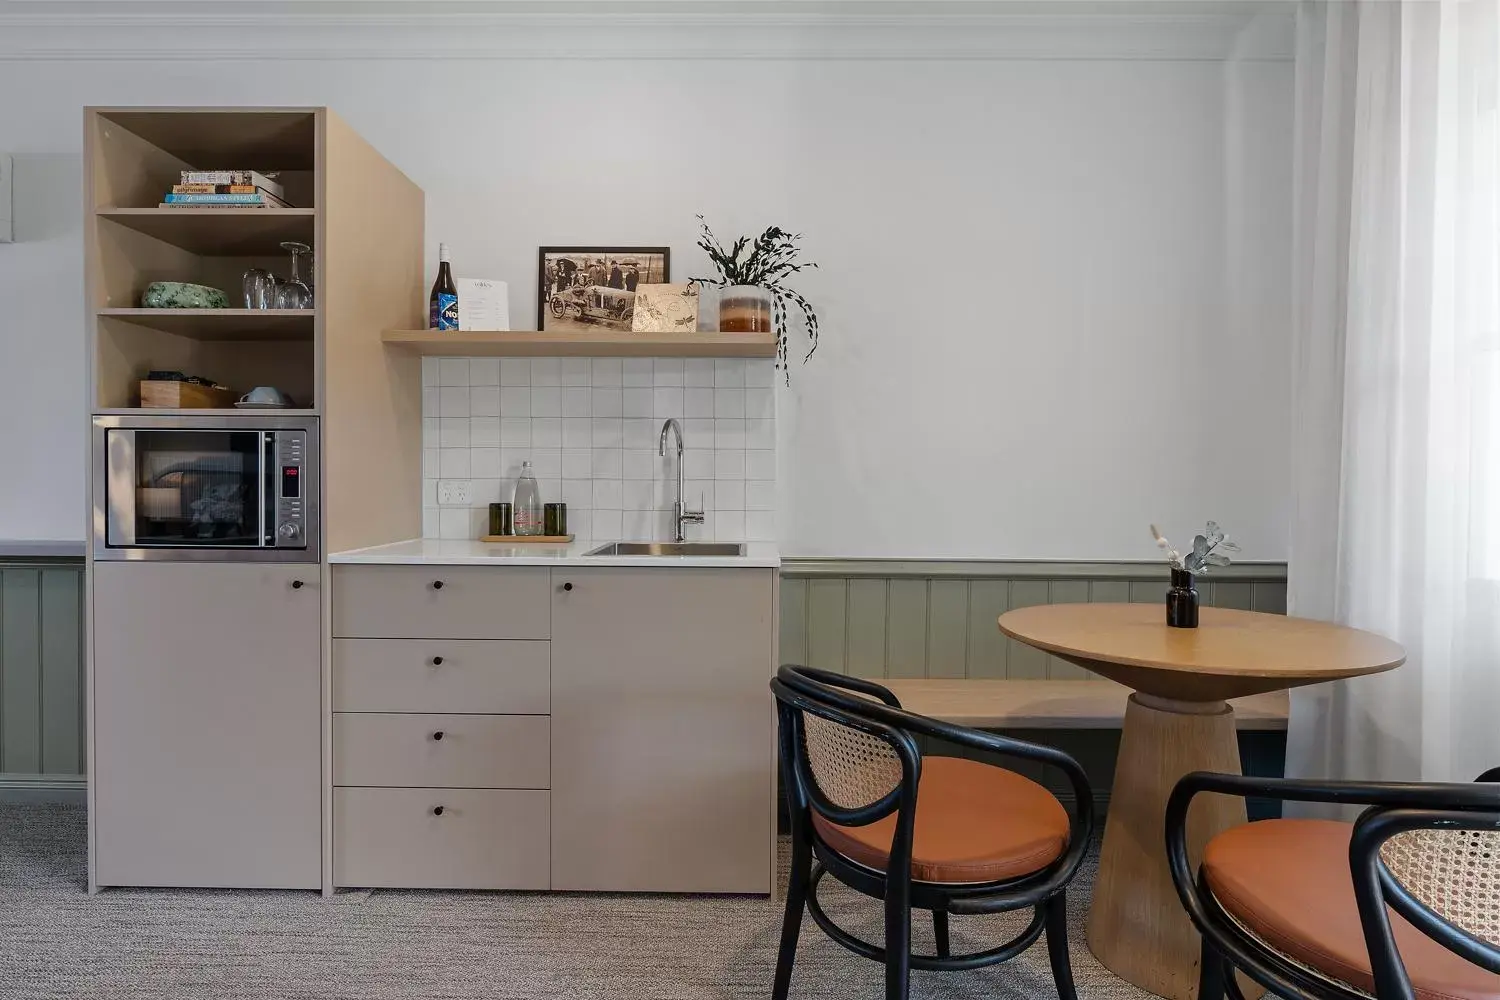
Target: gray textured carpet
57, 941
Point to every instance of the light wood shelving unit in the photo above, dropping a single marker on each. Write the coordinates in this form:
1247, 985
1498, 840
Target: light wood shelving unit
364, 220
594, 344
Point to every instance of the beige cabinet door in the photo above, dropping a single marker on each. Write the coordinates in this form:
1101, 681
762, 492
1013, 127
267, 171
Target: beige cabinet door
206, 725
662, 729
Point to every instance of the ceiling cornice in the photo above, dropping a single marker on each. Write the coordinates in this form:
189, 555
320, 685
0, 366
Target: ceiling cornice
167, 30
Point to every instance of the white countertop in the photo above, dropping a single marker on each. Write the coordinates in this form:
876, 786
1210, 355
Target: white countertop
452, 552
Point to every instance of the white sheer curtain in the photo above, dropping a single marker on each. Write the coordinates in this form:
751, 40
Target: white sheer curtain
1396, 525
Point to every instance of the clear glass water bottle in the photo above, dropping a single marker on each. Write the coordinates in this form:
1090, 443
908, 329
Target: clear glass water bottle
528, 503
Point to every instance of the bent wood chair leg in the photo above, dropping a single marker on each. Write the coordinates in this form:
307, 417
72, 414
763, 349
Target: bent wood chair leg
1211, 973
1057, 946
940, 932
791, 923
897, 943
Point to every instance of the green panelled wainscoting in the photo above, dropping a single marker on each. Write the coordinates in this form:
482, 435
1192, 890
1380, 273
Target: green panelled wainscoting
41, 678
877, 618
872, 618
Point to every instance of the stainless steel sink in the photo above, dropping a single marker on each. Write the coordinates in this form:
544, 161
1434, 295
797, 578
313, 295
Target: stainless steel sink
669, 549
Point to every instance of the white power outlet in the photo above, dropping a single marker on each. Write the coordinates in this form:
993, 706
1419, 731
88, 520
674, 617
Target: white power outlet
453, 492
7, 232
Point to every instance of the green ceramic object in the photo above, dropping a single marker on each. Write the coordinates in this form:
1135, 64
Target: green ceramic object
182, 295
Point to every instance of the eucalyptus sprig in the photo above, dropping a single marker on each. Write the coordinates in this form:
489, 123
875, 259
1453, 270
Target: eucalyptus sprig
1204, 556
765, 262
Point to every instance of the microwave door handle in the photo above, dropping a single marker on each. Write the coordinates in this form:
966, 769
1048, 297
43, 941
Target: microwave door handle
119, 488
267, 467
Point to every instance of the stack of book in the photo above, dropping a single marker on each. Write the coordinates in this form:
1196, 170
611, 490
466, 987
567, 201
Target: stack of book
225, 189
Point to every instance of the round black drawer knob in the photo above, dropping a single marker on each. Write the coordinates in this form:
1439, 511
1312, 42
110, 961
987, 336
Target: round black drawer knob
438, 735
296, 584
567, 586
437, 661
437, 810
437, 584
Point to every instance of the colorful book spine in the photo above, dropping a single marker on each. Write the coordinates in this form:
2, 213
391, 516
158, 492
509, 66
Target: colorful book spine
223, 200
216, 189
252, 178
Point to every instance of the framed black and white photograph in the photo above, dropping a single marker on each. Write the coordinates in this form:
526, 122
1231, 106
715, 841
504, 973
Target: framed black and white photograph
589, 288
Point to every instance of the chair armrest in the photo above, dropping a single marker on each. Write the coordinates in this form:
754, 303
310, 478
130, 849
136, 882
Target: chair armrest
858, 684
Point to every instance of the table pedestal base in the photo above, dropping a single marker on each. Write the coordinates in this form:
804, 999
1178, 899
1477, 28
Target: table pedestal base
1137, 927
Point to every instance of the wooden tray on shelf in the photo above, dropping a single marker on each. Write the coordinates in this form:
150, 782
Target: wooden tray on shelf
185, 396
527, 539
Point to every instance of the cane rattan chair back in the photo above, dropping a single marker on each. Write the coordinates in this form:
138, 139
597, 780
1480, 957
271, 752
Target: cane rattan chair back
1454, 873
852, 768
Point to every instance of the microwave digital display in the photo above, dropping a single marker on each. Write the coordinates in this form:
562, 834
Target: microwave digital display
291, 482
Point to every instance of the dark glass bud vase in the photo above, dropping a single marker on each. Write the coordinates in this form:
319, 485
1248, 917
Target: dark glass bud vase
1182, 601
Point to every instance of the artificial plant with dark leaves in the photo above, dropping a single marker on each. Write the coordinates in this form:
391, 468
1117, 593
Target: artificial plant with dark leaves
765, 262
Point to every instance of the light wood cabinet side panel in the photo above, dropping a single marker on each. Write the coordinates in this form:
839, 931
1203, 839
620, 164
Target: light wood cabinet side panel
372, 226
662, 764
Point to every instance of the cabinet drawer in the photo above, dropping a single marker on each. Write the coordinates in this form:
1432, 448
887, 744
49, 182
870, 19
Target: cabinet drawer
474, 751
442, 602
441, 675
482, 839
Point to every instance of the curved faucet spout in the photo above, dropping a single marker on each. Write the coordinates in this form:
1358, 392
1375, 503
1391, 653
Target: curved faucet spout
676, 428
680, 513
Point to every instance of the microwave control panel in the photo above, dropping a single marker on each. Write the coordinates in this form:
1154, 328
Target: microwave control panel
289, 474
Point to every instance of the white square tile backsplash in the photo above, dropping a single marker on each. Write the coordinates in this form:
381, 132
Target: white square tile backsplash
590, 426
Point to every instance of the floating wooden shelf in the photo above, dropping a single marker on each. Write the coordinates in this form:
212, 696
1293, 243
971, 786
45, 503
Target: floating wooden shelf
220, 232
597, 344
222, 324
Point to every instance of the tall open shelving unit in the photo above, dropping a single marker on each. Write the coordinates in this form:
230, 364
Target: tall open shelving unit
364, 220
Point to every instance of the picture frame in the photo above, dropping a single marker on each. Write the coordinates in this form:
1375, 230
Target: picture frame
583, 288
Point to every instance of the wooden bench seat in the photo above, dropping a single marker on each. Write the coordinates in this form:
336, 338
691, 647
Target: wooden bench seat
1041, 704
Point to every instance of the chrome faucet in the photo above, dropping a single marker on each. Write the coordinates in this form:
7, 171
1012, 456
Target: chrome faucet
680, 513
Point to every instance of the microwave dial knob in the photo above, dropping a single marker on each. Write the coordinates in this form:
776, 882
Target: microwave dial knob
287, 530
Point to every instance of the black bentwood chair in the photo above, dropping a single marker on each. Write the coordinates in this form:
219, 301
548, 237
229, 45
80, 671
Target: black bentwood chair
1404, 903
931, 833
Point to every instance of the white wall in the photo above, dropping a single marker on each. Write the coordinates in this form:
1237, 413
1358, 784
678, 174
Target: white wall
1054, 291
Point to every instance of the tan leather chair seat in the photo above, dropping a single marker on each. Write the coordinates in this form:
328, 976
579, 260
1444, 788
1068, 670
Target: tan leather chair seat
975, 823
1287, 881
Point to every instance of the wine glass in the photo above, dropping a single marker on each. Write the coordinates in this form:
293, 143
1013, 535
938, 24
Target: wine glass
260, 289
292, 293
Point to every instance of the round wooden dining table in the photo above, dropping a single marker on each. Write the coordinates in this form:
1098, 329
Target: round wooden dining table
1177, 721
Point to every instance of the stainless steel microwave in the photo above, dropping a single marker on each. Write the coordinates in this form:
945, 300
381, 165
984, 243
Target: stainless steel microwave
220, 488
